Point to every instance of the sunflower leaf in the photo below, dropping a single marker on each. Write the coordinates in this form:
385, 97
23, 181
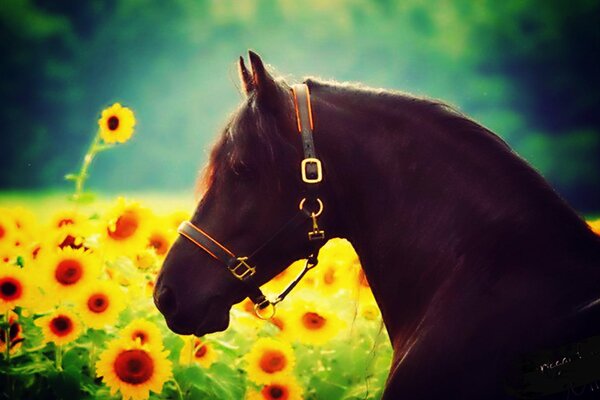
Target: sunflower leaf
71, 177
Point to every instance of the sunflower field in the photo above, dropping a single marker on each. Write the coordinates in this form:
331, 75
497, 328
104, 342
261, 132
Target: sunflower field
78, 320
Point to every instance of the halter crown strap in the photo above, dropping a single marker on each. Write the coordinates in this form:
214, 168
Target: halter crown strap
312, 174
311, 169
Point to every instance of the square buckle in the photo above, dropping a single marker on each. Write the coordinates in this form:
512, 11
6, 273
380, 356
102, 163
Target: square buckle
304, 166
247, 270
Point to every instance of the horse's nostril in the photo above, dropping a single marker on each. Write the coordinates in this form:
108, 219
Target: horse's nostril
165, 300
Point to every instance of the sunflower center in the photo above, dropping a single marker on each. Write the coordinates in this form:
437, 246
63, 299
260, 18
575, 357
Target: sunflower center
329, 276
72, 242
2, 232
313, 321
10, 289
139, 335
362, 279
200, 351
275, 392
125, 227
98, 302
159, 244
272, 361
134, 366
68, 272
65, 221
13, 332
113, 123
61, 325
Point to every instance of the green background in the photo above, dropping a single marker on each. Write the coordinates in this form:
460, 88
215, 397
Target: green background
525, 69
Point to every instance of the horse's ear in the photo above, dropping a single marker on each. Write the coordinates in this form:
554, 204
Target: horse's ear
266, 88
245, 77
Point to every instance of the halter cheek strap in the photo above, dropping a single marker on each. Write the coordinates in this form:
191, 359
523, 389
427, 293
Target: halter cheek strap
312, 174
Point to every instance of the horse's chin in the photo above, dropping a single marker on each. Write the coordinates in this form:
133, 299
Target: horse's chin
215, 319
213, 322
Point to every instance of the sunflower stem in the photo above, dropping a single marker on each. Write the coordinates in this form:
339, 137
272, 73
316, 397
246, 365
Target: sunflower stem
92, 359
179, 392
82, 176
58, 357
7, 337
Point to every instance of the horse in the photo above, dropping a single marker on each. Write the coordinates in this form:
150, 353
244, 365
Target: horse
473, 258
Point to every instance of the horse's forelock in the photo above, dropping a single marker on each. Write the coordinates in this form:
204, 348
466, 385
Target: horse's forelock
251, 139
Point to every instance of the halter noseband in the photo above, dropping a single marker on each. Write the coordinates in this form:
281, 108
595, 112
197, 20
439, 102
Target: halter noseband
312, 174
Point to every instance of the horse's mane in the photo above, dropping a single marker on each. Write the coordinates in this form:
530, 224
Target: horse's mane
272, 149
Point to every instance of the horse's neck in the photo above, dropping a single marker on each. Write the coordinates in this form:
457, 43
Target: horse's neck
420, 218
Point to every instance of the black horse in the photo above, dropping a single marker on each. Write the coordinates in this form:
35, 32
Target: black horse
472, 257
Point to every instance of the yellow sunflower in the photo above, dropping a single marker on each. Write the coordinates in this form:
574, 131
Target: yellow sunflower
68, 271
146, 260
7, 228
312, 324
285, 388
143, 331
176, 218
133, 369
197, 351
125, 229
15, 332
116, 124
24, 220
16, 288
61, 326
160, 240
269, 359
595, 225
100, 304
68, 236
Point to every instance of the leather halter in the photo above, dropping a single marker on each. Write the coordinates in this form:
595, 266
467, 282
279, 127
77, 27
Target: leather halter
312, 174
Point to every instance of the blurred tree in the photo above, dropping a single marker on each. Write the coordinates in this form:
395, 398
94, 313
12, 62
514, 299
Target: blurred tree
526, 69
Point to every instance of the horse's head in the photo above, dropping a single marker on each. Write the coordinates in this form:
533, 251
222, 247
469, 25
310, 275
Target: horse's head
252, 187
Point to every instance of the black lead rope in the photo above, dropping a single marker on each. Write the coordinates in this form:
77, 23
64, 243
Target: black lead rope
312, 174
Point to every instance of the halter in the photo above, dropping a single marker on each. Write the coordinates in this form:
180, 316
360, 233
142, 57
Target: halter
309, 208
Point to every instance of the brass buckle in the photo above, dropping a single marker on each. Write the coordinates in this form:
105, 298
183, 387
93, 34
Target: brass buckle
305, 164
247, 272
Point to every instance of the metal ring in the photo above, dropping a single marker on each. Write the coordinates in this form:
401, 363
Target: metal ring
259, 312
301, 206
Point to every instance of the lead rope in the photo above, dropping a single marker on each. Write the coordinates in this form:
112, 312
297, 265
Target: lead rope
310, 263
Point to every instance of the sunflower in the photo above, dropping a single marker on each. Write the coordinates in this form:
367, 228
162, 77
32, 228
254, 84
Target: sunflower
68, 271
116, 124
310, 324
285, 388
133, 369
125, 229
7, 228
61, 326
332, 277
160, 240
24, 220
144, 332
176, 218
16, 288
595, 225
197, 351
100, 304
15, 332
269, 359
